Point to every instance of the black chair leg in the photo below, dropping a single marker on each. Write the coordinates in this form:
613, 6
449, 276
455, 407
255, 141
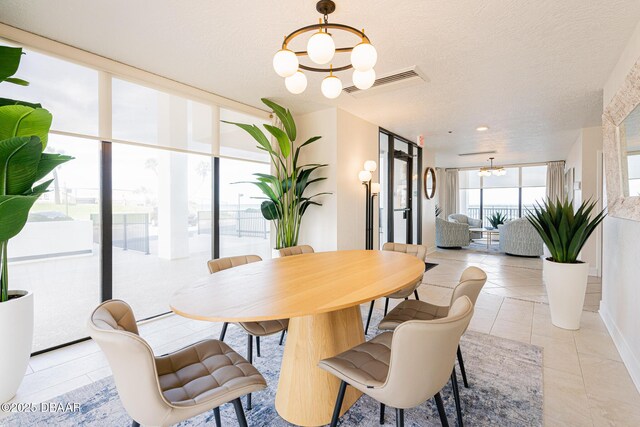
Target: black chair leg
224, 331
282, 336
462, 370
382, 413
415, 293
399, 417
250, 358
386, 305
339, 400
456, 396
258, 346
237, 405
440, 405
366, 328
134, 423
216, 415
406, 298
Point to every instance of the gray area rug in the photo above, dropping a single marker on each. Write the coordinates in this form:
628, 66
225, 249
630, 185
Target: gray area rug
505, 379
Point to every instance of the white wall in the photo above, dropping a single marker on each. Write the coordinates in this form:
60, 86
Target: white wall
621, 258
319, 224
357, 142
429, 206
583, 157
347, 141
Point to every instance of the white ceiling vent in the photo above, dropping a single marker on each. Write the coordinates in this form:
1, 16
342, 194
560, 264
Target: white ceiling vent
391, 81
477, 153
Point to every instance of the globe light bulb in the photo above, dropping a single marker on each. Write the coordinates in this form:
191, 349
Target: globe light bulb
331, 86
364, 79
321, 48
364, 176
370, 165
364, 56
285, 63
296, 83
375, 188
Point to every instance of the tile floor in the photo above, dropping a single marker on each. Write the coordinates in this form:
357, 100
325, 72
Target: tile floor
585, 382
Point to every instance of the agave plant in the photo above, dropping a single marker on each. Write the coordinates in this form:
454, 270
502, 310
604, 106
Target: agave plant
496, 219
285, 199
23, 164
564, 231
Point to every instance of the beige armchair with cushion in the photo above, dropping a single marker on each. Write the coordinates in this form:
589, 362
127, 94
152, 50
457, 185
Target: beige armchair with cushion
296, 250
403, 368
164, 390
470, 285
418, 251
253, 329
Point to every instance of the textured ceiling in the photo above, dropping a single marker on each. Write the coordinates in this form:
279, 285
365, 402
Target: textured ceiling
533, 71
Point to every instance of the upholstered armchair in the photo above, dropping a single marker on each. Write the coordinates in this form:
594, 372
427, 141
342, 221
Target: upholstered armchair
472, 222
451, 234
518, 237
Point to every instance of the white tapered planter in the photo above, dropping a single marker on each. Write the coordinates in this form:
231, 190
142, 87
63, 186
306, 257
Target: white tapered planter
566, 286
16, 334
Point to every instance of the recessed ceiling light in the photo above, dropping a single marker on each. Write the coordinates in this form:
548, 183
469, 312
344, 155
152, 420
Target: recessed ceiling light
482, 128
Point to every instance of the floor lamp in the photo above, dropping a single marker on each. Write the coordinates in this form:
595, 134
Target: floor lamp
371, 191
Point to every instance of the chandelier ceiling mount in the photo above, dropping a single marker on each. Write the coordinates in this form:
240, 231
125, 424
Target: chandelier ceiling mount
321, 50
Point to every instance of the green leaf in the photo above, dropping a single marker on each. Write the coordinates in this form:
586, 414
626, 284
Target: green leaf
48, 162
19, 158
564, 230
7, 101
256, 133
16, 81
283, 140
14, 211
269, 210
307, 142
285, 117
9, 61
20, 120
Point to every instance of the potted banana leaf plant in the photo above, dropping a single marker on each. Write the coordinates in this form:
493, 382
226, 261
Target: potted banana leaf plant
286, 200
564, 232
23, 166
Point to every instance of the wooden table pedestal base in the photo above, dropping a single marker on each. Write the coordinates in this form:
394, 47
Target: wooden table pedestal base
306, 394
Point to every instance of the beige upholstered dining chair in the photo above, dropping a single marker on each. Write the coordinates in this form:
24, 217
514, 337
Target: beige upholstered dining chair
470, 285
418, 251
296, 250
403, 368
253, 329
164, 390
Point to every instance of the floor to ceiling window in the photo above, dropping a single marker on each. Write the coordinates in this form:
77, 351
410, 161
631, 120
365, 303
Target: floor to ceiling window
512, 194
162, 149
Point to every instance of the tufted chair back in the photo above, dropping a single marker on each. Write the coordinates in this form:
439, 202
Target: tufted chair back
112, 325
220, 264
296, 250
422, 356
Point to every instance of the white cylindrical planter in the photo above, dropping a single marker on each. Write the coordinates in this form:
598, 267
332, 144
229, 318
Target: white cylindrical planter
566, 286
16, 332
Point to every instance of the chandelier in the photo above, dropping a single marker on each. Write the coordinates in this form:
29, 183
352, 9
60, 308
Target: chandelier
321, 50
492, 170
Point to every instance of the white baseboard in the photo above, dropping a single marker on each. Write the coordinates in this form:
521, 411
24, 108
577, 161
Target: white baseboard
629, 359
594, 271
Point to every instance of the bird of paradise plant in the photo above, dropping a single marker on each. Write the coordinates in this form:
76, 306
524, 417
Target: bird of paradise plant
285, 199
24, 128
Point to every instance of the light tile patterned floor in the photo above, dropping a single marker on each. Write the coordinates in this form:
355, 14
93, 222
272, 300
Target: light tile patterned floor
585, 383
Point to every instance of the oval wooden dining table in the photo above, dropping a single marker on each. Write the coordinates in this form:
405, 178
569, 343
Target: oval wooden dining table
320, 293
